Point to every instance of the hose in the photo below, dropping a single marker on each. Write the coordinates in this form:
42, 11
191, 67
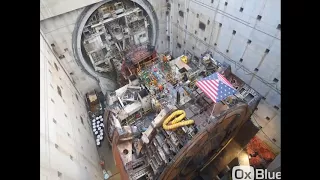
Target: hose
175, 123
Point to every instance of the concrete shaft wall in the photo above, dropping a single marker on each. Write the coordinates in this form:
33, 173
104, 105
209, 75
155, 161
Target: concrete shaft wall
67, 146
243, 33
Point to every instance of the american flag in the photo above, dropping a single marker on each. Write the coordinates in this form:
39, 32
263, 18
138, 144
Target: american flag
216, 87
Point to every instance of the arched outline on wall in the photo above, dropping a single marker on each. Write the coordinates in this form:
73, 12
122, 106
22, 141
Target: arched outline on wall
83, 18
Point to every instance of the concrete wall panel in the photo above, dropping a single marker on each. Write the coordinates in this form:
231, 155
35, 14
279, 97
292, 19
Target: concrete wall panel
267, 29
270, 68
224, 38
273, 98
237, 48
272, 12
251, 58
60, 126
258, 86
261, 39
254, 7
58, 30
51, 8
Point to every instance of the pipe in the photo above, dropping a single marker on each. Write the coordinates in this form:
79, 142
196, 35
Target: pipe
120, 102
178, 98
134, 87
175, 123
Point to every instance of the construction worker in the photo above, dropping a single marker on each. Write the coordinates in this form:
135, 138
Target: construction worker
102, 164
165, 59
160, 87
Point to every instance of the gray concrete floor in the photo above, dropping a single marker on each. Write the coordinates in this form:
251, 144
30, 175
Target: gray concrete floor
105, 152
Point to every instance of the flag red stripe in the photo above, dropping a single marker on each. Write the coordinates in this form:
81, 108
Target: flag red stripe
213, 99
224, 80
206, 90
210, 84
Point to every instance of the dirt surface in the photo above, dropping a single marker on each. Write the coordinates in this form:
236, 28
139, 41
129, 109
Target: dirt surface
105, 152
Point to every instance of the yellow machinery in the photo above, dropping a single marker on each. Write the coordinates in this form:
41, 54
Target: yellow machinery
153, 81
184, 59
178, 116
